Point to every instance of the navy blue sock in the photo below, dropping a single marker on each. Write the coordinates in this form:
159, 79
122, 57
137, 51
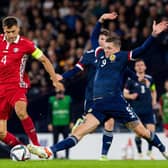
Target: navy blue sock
155, 141
138, 143
64, 144
149, 147
107, 140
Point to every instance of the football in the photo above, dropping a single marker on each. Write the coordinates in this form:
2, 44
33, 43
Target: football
19, 153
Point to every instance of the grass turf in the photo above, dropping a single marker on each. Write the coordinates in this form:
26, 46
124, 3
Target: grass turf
84, 164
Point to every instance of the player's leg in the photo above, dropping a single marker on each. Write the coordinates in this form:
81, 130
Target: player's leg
6, 136
138, 143
27, 123
87, 108
65, 132
56, 132
18, 101
150, 127
90, 124
151, 137
107, 138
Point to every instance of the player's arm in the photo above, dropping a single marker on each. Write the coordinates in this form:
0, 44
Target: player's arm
95, 35
84, 60
128, 95
72, 72
126, 92
157, 29
38, 54
96, 30
153, 93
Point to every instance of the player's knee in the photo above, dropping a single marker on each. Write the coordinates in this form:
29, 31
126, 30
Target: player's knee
109, 125
22, 114
20, 108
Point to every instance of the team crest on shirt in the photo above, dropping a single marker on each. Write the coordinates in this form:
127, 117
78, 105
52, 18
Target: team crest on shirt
112, 58
15, 50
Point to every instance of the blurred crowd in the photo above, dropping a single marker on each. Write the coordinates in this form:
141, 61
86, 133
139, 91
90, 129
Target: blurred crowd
61, 28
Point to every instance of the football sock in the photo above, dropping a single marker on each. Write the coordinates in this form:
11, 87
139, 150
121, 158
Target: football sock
107, 140
11, 140
30, 130
155, 141
149, 147
64, 144
138, 143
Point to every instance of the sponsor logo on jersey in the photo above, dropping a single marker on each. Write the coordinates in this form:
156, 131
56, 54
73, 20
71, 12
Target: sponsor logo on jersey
112, 58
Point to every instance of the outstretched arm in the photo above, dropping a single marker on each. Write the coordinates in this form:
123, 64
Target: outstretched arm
71, 73
97, 28
157, 29
49, 68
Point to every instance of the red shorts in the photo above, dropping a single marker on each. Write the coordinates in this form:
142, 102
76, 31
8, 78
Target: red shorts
8, 98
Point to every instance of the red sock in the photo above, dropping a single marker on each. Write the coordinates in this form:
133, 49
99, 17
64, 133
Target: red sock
11, 140
30, 130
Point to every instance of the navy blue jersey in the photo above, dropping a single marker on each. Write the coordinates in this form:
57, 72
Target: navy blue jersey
110, 71
109, 74
89, 61
143, 103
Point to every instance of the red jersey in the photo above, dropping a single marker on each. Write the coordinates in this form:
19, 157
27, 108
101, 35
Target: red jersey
13, 58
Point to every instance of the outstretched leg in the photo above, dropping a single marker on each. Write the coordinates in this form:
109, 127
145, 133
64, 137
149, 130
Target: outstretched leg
86, 127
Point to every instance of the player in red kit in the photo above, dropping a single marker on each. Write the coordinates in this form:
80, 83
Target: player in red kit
14, 51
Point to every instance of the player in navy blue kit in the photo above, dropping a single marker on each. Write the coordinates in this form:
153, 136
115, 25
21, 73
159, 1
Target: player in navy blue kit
108, 98
89, 61
141, 95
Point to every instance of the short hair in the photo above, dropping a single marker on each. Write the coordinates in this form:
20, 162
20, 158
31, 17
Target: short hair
10, 21
140, 60
104, 32
114, 39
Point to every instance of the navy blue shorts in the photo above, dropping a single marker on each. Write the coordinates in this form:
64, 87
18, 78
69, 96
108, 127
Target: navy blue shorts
113, 107
148, 118
88, 106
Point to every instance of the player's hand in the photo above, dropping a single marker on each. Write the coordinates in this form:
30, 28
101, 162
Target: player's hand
110, 16
158, 28
59, 77
144, 81
134, 96
59, 86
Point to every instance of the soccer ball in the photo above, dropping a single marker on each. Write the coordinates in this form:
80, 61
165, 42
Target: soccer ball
19, 153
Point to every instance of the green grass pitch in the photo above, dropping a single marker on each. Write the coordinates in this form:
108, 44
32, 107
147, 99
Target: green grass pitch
84, 164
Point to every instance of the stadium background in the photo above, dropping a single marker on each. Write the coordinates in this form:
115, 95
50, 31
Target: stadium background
61, 28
